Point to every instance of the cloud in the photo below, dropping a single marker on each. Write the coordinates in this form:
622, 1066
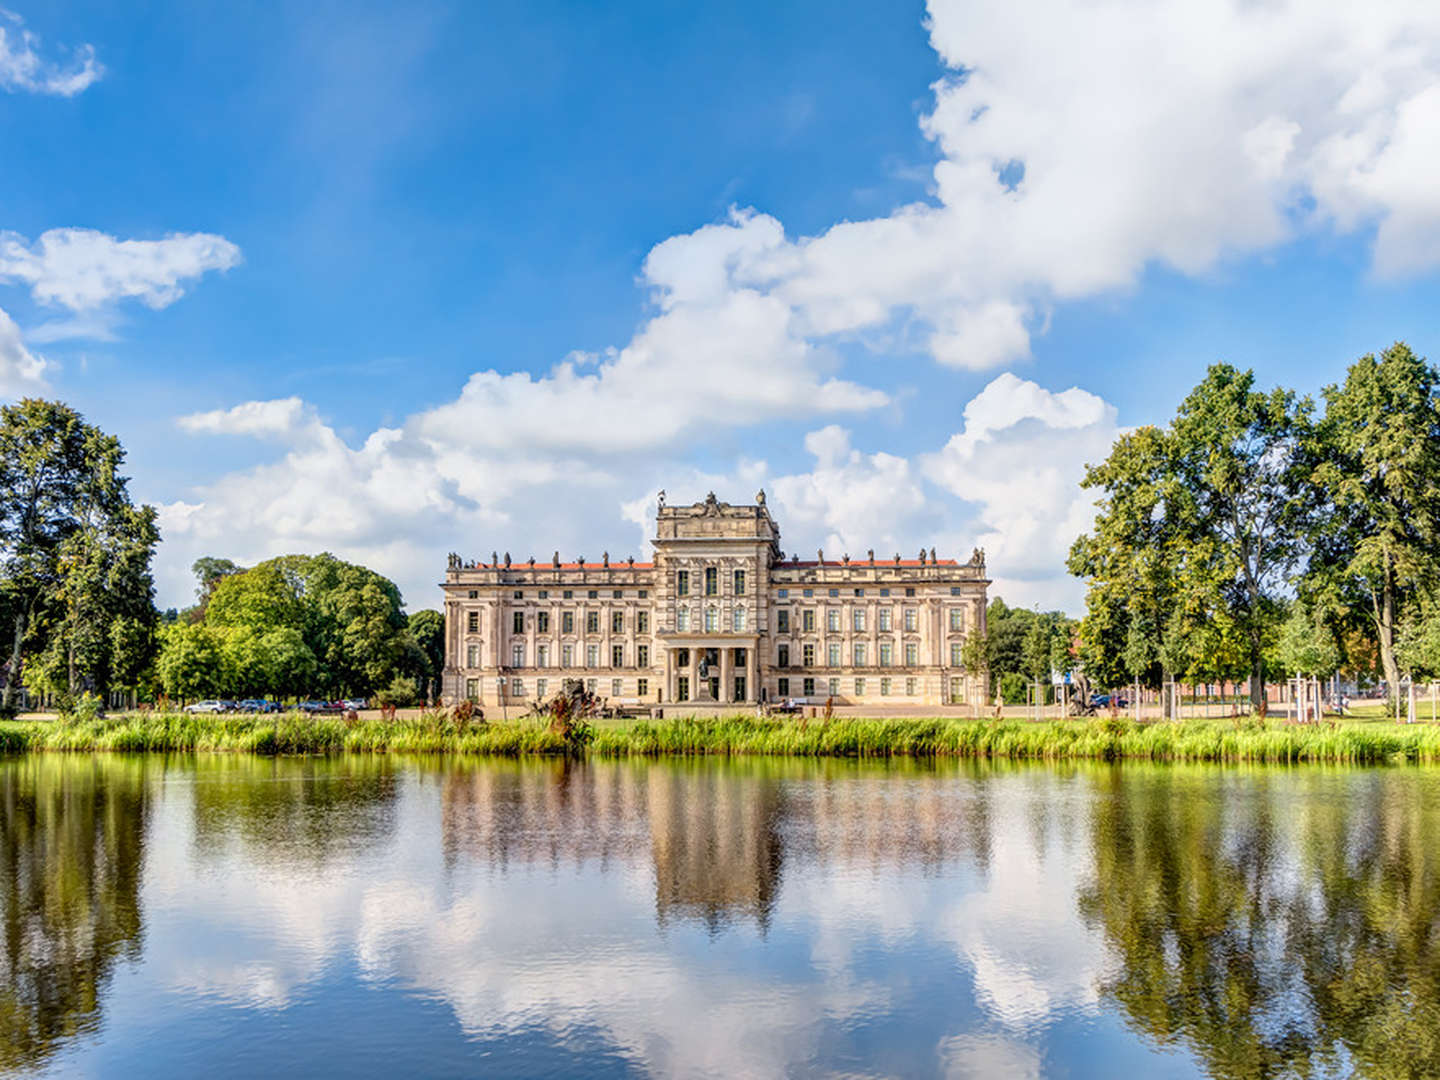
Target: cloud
21, 370
285, 417
82, 269
23, 69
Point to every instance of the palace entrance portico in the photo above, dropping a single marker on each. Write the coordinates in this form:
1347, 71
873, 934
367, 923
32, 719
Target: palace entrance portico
711, 669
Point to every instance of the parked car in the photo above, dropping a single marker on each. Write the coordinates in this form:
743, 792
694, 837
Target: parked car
253, 705
357, 704
206, 707
317, 707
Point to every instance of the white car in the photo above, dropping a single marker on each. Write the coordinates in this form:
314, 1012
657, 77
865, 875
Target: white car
206, 707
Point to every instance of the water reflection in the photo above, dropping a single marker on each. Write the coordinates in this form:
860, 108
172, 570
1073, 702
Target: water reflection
70, 856
718, 919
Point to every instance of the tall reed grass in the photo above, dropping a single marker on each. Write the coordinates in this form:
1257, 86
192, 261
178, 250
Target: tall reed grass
1104, 739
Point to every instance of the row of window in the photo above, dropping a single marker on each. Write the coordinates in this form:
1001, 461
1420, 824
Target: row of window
710, 582
955, 590
567, 622
884, 619
860, 654
739, 620
887, 687
567, 655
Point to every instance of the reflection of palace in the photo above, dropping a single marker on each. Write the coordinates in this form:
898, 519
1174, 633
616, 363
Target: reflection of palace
717, 836
720, 616
71, 853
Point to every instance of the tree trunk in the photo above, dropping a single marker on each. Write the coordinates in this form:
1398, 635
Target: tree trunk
1385, 633
1257, 683
12, 678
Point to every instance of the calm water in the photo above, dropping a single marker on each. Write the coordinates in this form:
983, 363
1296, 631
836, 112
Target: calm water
371, 917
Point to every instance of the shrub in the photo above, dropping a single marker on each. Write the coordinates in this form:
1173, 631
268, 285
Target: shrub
400, 693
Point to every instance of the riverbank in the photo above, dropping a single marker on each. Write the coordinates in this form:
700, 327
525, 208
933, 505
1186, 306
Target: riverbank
1102, 739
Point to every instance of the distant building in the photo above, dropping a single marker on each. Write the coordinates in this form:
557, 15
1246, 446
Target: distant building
721, 616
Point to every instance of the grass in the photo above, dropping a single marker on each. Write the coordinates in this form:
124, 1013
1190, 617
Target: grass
1102, 739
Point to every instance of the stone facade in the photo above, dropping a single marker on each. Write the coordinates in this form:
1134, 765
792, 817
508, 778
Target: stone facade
721, 616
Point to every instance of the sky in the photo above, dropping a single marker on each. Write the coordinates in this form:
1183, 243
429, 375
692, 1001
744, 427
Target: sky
398, 280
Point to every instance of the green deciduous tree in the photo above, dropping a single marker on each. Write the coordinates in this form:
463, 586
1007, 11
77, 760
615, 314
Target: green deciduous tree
427, 629
75, 553
1377, 450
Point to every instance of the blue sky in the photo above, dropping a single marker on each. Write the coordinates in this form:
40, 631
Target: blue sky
346, 211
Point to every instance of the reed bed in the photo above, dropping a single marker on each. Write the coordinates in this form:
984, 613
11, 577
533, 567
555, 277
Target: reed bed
1103, 739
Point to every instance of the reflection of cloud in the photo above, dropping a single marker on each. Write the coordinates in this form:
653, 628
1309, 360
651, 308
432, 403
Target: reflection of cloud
982, 1056
1032, 956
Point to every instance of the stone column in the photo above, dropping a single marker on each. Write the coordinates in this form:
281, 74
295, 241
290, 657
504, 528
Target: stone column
752, 673
727, 662
694, 674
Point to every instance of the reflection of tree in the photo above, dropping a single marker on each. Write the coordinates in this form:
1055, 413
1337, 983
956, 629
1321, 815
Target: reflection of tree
70, 864
306, 810
1261, 965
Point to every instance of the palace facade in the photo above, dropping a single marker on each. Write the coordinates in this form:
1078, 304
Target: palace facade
720, 616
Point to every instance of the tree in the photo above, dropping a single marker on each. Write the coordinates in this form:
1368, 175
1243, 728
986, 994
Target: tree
427, 629
75, 552
193, 662
1417, 644
1378, 467
1305, 645
208, 571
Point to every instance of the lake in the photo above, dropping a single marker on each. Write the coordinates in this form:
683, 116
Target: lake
373, 916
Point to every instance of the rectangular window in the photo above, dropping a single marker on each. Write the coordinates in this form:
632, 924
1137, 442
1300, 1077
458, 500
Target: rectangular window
682, 658
542, 655
911, 618
887, 654
783, 687
593, 594
540, 685
472, 656
682, 619
517, 688
517, 622
567, 656
643, 593
782, 622
567, 622
517, 654
807, 593
737, 619
954, 590
542, 622
808, 688
616, 687
832, 620
858, 616
884, 592
737, 656
682, 688
642, 687
617, 622
912, 654
712, 620
592, 655
739, 688
807, 620
642, 622
884, 687
618, 594
474, 594
910, 591
809, 655
568, 594
592, 622
712, 581
955, 654
910, 687
859, 654
519, 595
884, 617
957, 691
859, 592
472, 622
642, 655
682, 586
592, 684
784, 593
834, 687
957, 622
833, 657
782, 656
739, 582
834, 592
472, 689
617, 655
544, 594
859, 687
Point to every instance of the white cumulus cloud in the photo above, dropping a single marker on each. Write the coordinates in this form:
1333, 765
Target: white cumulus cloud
20, 370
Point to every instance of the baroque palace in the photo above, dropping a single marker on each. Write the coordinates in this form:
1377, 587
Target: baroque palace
721, 616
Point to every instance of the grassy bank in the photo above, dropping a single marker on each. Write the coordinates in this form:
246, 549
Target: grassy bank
1190, 740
